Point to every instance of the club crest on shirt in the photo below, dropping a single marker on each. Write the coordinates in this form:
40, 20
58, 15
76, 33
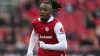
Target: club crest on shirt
47, 29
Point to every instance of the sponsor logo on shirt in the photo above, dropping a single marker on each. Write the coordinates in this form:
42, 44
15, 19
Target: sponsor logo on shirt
46, 37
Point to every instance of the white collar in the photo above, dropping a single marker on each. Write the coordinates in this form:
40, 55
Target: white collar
51, 18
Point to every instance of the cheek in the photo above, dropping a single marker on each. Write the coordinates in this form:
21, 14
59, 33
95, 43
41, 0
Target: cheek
47, 13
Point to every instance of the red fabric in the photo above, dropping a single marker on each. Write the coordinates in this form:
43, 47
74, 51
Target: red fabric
46, 34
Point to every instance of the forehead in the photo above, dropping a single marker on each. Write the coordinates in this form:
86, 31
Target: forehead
45, 5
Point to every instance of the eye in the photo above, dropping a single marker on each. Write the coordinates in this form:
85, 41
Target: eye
45, 9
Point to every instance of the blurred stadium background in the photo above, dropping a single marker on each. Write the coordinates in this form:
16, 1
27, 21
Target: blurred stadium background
81, 20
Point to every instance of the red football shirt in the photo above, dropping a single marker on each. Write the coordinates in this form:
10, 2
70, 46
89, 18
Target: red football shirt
45, 32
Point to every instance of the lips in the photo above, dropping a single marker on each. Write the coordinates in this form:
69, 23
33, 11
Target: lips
42, 15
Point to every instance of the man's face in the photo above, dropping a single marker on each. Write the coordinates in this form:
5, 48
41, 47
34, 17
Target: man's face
45, 11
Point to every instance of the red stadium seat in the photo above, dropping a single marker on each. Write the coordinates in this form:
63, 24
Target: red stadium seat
73, 45
79, 20
62, 1
73, 1
62, 18
2, 31
71, 20
91, 5
98, 2
31, 14
97, 21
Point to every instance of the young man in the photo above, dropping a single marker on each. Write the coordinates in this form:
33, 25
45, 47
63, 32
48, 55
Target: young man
48, 31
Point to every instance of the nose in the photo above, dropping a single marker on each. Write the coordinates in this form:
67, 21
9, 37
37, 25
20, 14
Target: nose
42, 11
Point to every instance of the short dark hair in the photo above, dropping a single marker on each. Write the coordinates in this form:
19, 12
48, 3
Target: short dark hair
55, 5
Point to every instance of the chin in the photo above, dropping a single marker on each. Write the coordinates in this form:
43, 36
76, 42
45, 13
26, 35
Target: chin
44, 19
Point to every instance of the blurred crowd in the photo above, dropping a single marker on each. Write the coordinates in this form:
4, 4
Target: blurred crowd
81, 20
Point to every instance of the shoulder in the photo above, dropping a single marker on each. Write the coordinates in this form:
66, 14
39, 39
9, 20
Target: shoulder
34, 21
59, 28
56, 19
58, 24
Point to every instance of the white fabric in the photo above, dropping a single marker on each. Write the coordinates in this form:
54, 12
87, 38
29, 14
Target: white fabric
51, 18
62, 45
33, 40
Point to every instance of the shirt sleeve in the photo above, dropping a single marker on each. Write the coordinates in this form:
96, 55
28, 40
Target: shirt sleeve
32, 42
62, 45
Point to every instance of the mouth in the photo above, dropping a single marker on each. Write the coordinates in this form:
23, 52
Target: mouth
42, 15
